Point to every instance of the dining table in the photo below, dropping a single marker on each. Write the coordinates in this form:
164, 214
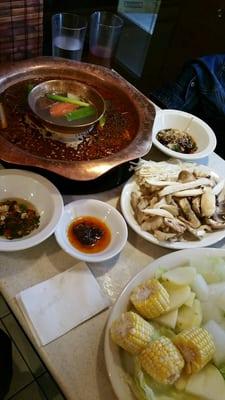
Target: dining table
76, 359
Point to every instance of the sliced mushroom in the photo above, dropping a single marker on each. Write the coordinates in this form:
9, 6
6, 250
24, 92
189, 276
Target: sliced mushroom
162, 236
160, 203
153, 201
175, 224
220, 210
189, 213
207, 228
221, 196
196, 205
186, 176
134, 199
218, 188
158, 183
143, 203
158, 211
208, 203
185, 221
189, 193
151, 224
184, 186
140, 216
173, 209
198, 233
177, 199
146, 188
169, 199
200, 172
215, 224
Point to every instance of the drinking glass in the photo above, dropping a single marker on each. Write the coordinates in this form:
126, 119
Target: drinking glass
105, 29
68, 35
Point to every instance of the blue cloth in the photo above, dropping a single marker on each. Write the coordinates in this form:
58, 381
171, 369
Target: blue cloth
200, 90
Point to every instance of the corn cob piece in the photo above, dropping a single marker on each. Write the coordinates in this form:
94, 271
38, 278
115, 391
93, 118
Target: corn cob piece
197, 348
132, 332
162, 361
150, 299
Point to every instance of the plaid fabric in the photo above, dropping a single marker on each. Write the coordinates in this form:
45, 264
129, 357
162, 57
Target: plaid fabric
21, 29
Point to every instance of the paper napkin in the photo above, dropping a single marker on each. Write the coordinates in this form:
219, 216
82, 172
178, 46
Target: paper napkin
55, 306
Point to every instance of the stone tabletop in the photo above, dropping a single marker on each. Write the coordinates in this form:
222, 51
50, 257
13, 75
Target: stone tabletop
76, 360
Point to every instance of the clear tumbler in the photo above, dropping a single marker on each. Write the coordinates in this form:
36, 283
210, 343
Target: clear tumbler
105, 29
68, 35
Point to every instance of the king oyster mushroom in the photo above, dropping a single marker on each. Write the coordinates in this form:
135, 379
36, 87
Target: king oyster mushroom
158, 211
171, 202
198, 233
220, 210
151, 224
189, 213
218, 188
189, 193
184, 186
172, 208
134, 199
196, 205
208, 203
175, 225
140, 216
143, 203
163, 236
185, 176
215, 224
200, 172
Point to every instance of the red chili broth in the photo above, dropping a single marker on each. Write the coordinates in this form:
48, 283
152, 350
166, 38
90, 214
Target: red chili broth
26, 132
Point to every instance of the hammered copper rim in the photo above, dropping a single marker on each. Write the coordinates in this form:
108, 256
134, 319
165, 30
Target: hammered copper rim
58, 68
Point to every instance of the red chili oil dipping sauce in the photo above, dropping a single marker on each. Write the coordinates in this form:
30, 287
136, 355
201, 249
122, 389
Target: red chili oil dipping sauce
89, 234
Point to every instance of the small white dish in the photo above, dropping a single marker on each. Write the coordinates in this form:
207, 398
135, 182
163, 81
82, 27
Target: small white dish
114, 362
208, 240
42, 194
98, 209
202, 134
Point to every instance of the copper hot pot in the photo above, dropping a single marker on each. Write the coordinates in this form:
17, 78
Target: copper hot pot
43, 68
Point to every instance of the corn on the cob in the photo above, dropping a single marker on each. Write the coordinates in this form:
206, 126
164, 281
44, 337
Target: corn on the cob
150, 299
132, 332
197, 348
162, 361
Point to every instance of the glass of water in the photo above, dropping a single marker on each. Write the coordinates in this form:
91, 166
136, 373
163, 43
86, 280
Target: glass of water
105, 29
68, 35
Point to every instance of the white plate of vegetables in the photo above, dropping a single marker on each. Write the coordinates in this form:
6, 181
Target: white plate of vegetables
165, 337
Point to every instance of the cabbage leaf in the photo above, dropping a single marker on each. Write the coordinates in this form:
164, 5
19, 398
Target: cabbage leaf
222, 370
211, 268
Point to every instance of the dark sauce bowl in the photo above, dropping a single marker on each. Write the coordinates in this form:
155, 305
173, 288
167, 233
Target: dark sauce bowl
37, 98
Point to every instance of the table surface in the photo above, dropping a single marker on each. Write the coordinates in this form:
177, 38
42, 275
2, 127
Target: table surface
79, 354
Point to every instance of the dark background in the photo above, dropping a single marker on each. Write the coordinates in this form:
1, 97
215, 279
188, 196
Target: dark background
184, 30
85, 7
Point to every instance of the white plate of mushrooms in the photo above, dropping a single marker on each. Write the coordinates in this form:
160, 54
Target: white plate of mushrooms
175, 204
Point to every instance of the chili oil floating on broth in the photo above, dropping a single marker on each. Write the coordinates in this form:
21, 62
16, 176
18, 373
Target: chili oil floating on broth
18, 218
89, 234
29, 133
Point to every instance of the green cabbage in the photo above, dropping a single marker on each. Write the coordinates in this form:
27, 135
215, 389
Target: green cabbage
211, 268
138, 385
159, 272
222, 370
145, 388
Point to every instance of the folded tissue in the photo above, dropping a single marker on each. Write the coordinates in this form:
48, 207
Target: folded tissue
53, 307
